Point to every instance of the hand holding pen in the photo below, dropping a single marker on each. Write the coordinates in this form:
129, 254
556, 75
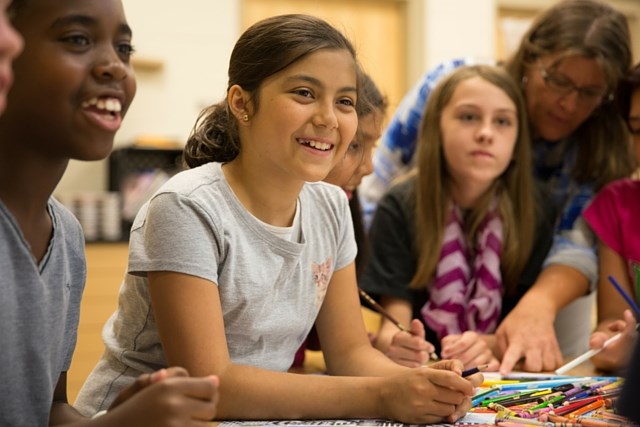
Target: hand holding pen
408, 346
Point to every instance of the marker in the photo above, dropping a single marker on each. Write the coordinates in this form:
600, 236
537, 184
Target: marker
506, 397
567, 409
490, 382
475, 400
585, 409
543, 384
546, 403
521, 400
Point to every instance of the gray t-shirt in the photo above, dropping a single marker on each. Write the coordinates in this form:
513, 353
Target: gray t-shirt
39, 312
271, 289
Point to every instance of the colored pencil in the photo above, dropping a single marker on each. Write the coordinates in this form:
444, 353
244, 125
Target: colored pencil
475, 370
625, 295
377, 307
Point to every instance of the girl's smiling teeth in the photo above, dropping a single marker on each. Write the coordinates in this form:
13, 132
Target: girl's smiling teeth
322, 146
112, 106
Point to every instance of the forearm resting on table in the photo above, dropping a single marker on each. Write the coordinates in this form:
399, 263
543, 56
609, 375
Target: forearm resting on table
252, 393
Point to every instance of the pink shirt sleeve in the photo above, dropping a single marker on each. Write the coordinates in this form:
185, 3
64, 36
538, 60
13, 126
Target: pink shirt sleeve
611, 215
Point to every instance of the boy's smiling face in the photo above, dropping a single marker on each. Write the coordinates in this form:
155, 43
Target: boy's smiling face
74, 78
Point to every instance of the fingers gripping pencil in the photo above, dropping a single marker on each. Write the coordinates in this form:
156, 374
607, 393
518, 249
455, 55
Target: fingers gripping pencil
377, 307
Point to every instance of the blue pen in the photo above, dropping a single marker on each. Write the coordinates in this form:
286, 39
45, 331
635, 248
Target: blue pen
625, 295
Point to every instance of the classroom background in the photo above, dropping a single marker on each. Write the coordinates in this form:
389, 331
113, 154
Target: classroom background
182, 52
181, 67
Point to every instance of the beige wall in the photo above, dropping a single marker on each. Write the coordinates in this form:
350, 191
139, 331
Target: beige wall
192, 43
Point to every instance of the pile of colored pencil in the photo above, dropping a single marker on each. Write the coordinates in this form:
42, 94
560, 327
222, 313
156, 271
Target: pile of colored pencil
552, 402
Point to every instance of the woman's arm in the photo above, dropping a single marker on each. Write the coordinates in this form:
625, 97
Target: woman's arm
527, 333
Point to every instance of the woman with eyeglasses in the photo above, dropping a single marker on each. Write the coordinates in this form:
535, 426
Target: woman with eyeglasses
568, 65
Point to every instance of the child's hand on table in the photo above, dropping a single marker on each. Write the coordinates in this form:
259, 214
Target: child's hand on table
471, 348
167, 397
433, 394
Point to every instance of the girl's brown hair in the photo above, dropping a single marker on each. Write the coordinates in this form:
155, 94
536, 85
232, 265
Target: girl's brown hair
514, 187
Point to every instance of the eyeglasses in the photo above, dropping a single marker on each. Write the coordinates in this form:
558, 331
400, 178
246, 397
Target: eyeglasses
564, 86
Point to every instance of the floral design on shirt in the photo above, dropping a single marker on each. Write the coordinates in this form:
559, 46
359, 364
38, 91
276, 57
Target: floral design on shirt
321, 276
